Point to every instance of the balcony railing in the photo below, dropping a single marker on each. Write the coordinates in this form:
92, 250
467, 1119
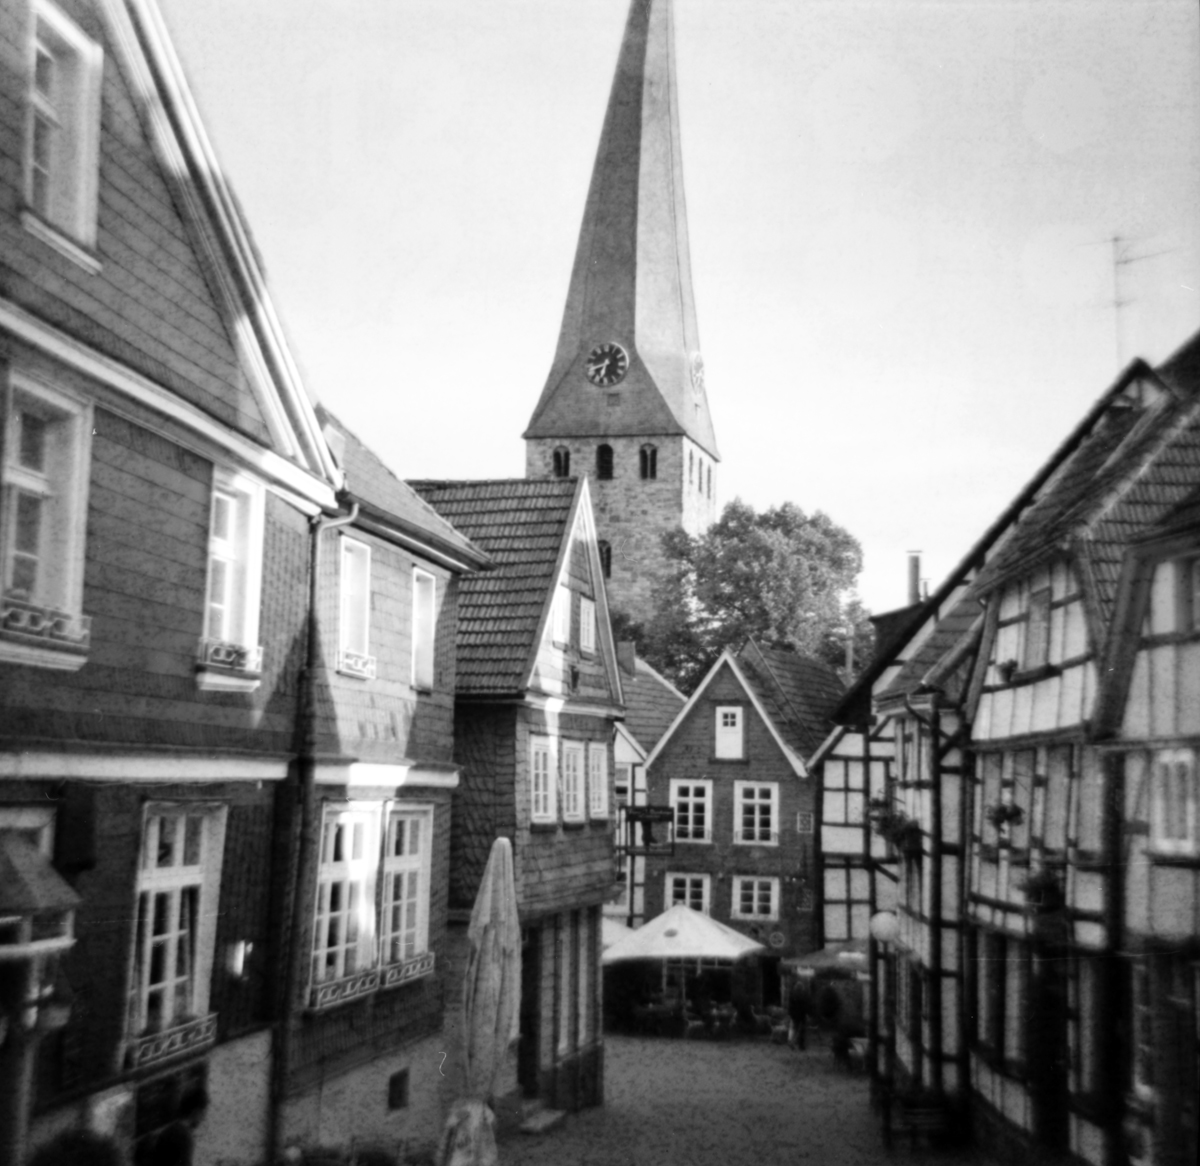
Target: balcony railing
409, 969
189, 1037
356, 664
230, 657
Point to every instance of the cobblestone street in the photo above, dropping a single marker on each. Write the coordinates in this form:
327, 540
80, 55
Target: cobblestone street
703, 1103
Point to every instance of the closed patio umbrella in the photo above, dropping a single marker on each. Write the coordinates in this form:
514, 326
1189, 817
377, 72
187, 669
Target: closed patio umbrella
491, 1010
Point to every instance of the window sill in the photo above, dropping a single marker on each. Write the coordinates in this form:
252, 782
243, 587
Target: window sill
1189, 858
356, 664
61, 242
693, 841
329, 993
543, 825
189, 1037
408, 970
226, 667
43, 637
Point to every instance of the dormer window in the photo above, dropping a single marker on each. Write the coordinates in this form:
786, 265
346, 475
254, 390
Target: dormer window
604, 462
62, 147
648, 462
562, 462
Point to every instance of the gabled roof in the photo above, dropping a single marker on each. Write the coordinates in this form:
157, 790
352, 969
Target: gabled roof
525, 526
188, 162
394, 504
802, 692
651, 703
769, 710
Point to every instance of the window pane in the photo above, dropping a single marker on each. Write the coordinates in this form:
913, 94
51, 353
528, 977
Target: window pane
191, 842
423, 630
31, 448
167, 825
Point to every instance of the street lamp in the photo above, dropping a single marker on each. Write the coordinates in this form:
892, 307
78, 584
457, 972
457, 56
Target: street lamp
37, 924
885, 930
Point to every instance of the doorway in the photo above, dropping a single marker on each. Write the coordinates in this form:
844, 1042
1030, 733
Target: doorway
530, 1042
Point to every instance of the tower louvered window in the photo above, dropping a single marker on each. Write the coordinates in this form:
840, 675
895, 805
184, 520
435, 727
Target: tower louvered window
562, 462
604, 462
605, 558
648, 462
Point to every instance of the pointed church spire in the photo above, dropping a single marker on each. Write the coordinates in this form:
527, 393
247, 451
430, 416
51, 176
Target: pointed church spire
628, 358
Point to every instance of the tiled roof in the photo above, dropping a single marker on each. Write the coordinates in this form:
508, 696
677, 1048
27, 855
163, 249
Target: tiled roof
799, 693
373, 484
951, 628
521, 524
651, 704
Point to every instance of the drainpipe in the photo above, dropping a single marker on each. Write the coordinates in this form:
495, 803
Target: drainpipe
305, 809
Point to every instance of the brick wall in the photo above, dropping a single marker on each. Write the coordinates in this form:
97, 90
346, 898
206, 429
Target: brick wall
144, 580
633, 514
688, 755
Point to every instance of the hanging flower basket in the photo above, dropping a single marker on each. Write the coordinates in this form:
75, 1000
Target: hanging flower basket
1043, 890
1001, 814
892, 823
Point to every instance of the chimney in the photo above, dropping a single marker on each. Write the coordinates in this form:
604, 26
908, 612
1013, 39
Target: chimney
627, 656
914, 577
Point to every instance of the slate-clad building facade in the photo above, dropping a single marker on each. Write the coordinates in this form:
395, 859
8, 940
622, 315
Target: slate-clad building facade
538, 693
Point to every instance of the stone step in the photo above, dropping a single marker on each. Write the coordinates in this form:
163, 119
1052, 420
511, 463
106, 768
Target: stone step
542, 1121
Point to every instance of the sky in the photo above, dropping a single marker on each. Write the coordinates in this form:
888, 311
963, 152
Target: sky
902, 217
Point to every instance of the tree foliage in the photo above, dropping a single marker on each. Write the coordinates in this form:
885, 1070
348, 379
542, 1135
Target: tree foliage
782, 577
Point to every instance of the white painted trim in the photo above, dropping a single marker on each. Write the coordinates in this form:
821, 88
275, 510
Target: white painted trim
624, 733
137, 767
388, 774
71, 352
61, 243
796, 761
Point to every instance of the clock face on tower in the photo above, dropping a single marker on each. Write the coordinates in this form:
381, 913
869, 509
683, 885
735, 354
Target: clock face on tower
607, 364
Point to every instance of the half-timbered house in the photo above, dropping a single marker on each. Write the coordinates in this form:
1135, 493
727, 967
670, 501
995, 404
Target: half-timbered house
538, 693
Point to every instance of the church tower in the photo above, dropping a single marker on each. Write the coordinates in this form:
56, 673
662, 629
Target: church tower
625, 401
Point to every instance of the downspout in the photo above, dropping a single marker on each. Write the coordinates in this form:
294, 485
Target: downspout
872, 908
305, 806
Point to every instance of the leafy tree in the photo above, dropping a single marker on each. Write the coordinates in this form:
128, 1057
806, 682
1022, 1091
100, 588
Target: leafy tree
781, 576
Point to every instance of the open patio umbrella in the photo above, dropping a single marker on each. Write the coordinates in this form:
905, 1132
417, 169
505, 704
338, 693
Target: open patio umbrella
681, 933
491, 1008
612, 930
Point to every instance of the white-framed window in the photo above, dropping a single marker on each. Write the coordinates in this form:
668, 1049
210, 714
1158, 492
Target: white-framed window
597, 756
756, 812
371, 918
730, 733
755, 898
43, 517
230, 655
587, 625
623, 784
543, 779
1173, 802
406, 873
354, 617
424, 629
574, 808
692, 803
178, 883
63, 133
348, 863
1037, 630
561, 615
693, 890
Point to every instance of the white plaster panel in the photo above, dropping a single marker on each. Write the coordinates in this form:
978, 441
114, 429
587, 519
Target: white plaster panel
1074, 631
854, 774
1010, 602
239, 1091
842, 839
1089, 935
1072, 695
1088, 1141
887, 894
1162, 599
1136, 722
1173, 902
950, 1016
1162, 682
1188, 688
1137, 894
949, 888
983, 717
1046, 695
1058, 634
1089, 890
1022, 714
851, 745
1014, 1103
